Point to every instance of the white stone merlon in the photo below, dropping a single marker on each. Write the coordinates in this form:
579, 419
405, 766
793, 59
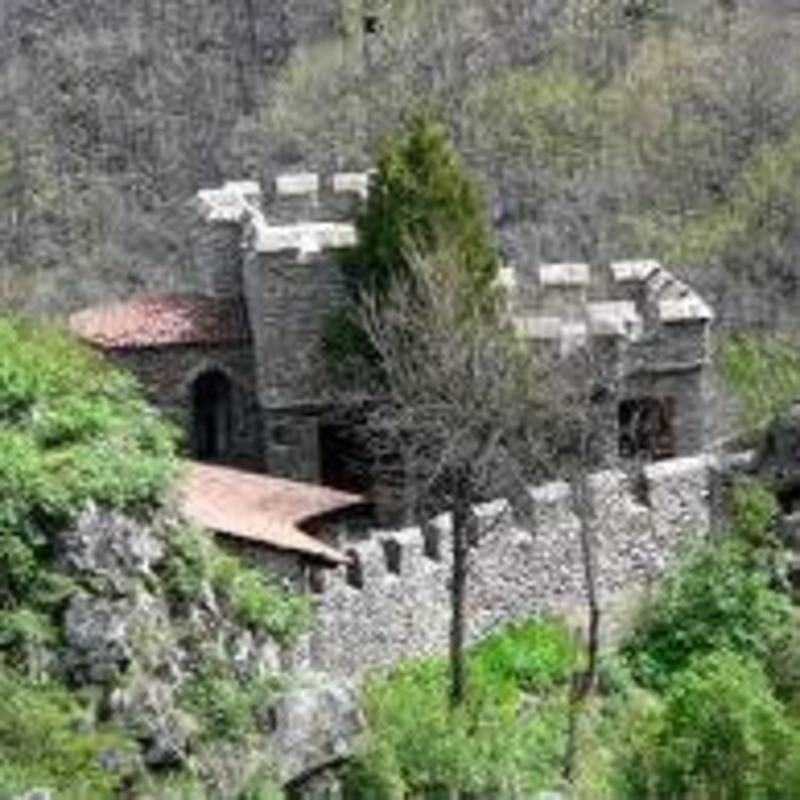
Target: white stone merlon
634, 271
297, 184
564, 275
574, 335
306, 239
231, 203
538, 328
506, 278
615, 318
686, 309
351, 183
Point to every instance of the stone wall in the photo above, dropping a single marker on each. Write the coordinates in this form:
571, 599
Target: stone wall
525, 564
168, 373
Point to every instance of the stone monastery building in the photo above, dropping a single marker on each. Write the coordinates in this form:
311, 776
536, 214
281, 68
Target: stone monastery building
236, 360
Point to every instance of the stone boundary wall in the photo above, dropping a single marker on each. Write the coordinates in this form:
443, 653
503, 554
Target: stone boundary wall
523, 565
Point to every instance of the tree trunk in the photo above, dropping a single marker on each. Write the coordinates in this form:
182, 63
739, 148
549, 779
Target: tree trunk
458, 590
583, 681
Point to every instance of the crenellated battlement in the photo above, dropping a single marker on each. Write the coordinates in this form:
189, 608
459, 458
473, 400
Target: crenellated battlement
393, 601
313, 197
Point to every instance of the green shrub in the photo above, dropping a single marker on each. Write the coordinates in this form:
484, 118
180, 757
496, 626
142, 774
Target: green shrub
719, 733
226, 707
498, 743
72, 430
196, 563
532, 656
714, 600
763, 373
45, 741
754, 512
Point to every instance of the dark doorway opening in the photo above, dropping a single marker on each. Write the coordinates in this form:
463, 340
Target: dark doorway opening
647, 428
343, 462
211, 416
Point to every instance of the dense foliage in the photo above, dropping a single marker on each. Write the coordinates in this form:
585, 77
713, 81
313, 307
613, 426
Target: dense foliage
72, 432
422, 202
496, 744
716, 600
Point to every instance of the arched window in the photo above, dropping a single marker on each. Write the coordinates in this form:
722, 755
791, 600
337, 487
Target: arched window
211, 416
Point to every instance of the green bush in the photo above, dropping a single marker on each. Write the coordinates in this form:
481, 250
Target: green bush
226, 707
72, 430
46, 741
532, 656
195, 563
714, 600
499, 743
720, 733
754, 512
763, 373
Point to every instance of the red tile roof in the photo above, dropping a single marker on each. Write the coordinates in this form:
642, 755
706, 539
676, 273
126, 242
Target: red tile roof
161, 320
261, 508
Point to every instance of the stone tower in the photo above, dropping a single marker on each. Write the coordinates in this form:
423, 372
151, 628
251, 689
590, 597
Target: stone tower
283, 259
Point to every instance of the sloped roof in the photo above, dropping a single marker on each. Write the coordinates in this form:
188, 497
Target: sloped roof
160, 320
261, 508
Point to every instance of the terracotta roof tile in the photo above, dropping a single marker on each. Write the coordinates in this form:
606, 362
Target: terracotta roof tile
161, 320
261, 508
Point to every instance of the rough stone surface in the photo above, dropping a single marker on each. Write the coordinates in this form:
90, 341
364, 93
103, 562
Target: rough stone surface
109, 547
102, 635
523, 566
315, 727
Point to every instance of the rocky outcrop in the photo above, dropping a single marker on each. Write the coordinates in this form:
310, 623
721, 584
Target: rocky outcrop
111, 551
314, 728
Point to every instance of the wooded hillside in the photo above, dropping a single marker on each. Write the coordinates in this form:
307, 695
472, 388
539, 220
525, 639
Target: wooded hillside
655, 127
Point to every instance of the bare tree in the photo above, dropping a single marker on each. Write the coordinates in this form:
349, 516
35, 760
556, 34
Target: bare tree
459, 404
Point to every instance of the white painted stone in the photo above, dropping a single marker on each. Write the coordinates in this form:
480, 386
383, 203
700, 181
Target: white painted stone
687, 309
351, 183
307, 239
632, 271
564, 275
618, 318
297, 184
538, 328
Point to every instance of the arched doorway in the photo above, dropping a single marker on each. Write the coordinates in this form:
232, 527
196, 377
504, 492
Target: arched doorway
211, 416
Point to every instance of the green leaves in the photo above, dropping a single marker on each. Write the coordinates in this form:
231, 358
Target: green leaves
422, 201
196, 564
714, 600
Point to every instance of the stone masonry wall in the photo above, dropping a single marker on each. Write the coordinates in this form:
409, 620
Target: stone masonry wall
168, 375
523, 566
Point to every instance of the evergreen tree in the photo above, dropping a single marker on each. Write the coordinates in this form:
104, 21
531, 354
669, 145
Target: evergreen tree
422, 201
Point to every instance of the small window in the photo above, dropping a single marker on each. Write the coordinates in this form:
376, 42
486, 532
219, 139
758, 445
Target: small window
355, 572
647, 428
394, 555
372, 24
432, 542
